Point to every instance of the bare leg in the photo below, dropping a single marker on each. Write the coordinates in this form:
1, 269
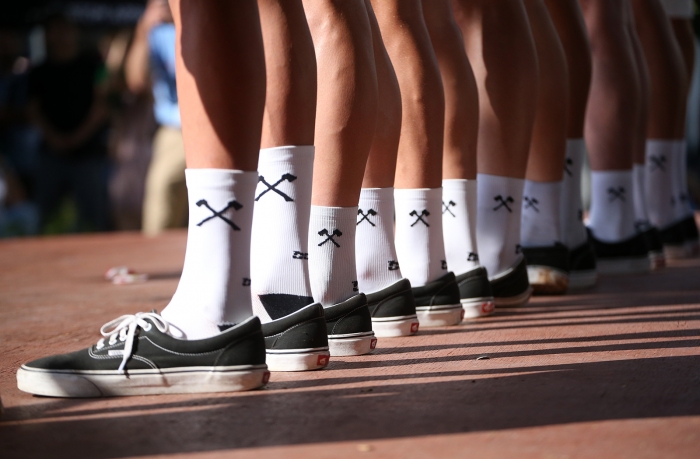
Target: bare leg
279, 266
419, 166
345, 125
540, 233
666, 123
570, 25
221, 102
459, 186
377, 263
613, 113
499, 44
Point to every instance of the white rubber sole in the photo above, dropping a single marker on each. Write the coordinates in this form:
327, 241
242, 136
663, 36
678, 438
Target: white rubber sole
297, 359
187, 380
547, 280
514, 301
657, 260
583, 279
478, 307
440, 316
352, 344
391, 327
636, 265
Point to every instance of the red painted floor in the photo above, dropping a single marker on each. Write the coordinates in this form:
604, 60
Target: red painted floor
610, 372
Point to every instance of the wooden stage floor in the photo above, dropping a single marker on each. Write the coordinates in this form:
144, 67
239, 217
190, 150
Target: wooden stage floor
611, 372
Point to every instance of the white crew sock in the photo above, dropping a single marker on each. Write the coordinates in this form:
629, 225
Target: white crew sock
214, 288
539, 226
641, 217
612, 205
659, 178
499, 211
419, 242
332, 254
682, 208
573, 231
279, 244
377, 264
459, 224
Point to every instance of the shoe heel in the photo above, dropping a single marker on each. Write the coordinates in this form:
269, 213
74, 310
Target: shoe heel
479, 307
394, 328
302, 361
346, 345
440, 317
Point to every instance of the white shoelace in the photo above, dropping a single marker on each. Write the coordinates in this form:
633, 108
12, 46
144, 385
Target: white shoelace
124, 328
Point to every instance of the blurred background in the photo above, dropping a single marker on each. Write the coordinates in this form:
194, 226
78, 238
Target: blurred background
89, 122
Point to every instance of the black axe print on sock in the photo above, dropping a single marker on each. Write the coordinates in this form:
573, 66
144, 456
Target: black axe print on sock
473, 257
273, 187
531, 203
419, 216
393, 265
616, 193
231, 204
366, 215
567, 163
657, 162
329, 236
503, 202
446, 207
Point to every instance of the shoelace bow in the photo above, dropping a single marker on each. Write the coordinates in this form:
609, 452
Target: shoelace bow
124, 329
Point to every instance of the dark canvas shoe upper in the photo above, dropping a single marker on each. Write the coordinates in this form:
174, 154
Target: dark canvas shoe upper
474, 284
673, 235
393, 301
634, 247
653, 238
141, 341
442, 291
555, 256
582, 258
513, 284
690, 228
304, 329
349, 316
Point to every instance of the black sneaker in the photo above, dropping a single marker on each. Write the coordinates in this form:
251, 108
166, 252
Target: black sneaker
583, 271
656, 247
548, 268
297, 342
393, 310
692, 238
437, 302
673, 238
349, 326
512, 287
625, 257
475, 293
140, 358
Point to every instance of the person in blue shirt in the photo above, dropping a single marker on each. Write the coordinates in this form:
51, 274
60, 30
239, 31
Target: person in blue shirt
150, 66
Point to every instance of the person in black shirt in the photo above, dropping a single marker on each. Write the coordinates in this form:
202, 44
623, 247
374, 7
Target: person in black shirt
66, 103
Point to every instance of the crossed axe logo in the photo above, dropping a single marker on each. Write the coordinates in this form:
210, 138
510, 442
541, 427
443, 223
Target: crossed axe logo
616, 193
567, 163
273, 187
297, 255
419, 216
473, 257
531, 202
329, 236
658, 162
393, 265
214, 214
446, 207
503, 202
365, 216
